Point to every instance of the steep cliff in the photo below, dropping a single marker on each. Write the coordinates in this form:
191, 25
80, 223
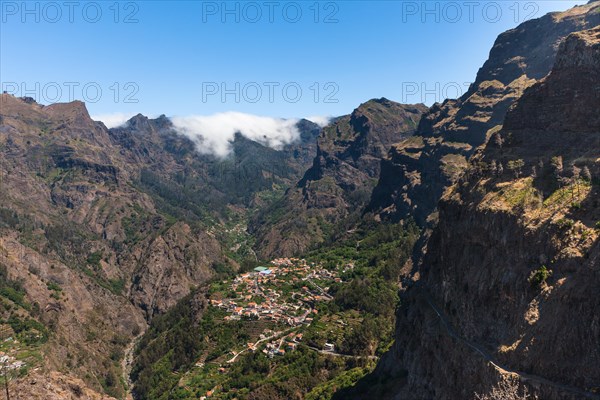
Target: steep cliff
336, 188
508, 286
415, 174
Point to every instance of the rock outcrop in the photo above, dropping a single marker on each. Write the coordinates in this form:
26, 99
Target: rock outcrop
333, 192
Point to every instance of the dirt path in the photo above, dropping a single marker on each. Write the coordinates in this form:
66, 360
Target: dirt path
503, 368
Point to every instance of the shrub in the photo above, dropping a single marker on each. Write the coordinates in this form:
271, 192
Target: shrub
94, 258
539, 276
566, 223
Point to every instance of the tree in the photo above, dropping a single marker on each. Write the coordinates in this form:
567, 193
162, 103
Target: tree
6, 374
500, 169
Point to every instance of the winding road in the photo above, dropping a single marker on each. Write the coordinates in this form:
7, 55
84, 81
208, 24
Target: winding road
276, 334
503, 368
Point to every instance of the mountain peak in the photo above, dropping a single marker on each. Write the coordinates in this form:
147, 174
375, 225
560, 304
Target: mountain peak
75, 109
10, 103
138, 122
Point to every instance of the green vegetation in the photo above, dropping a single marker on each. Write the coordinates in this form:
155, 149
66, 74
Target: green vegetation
565, 223
175, 341
287, 377
28, 330
346, 379
94, 258
15, 311
116, 286
522, 194
539, 276
12, 290
185, 352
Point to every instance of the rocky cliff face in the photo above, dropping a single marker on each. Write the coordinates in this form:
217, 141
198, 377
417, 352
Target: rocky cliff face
340, 180
506, 289
415, 174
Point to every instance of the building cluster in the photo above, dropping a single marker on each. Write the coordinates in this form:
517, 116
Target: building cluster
287, 292
285, 344
10, 363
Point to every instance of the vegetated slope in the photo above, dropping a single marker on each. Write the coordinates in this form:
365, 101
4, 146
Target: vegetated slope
331, 195
102, 229
196, 347
508, 285
416, 172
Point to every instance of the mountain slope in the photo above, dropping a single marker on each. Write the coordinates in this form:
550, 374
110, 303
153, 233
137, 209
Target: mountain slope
507, 285
103, 229
338, 184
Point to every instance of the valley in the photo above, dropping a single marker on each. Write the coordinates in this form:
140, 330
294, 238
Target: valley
282, 324
400, 251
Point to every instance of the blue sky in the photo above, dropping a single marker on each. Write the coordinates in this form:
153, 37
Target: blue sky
178, 57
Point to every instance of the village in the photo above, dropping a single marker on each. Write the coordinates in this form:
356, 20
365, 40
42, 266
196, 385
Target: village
286, 292
8, 346
8, 362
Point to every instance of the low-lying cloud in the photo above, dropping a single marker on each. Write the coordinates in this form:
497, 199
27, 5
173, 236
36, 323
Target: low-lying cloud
213, 134
113, 120
320, 120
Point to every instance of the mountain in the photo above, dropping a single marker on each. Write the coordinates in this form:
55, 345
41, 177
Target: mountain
506, 290
210, 181
103, 229
501, 283
104, 232
337, 186
416, 172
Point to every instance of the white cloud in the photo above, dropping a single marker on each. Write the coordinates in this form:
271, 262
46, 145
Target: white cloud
113, 120
320, 120
213, 134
